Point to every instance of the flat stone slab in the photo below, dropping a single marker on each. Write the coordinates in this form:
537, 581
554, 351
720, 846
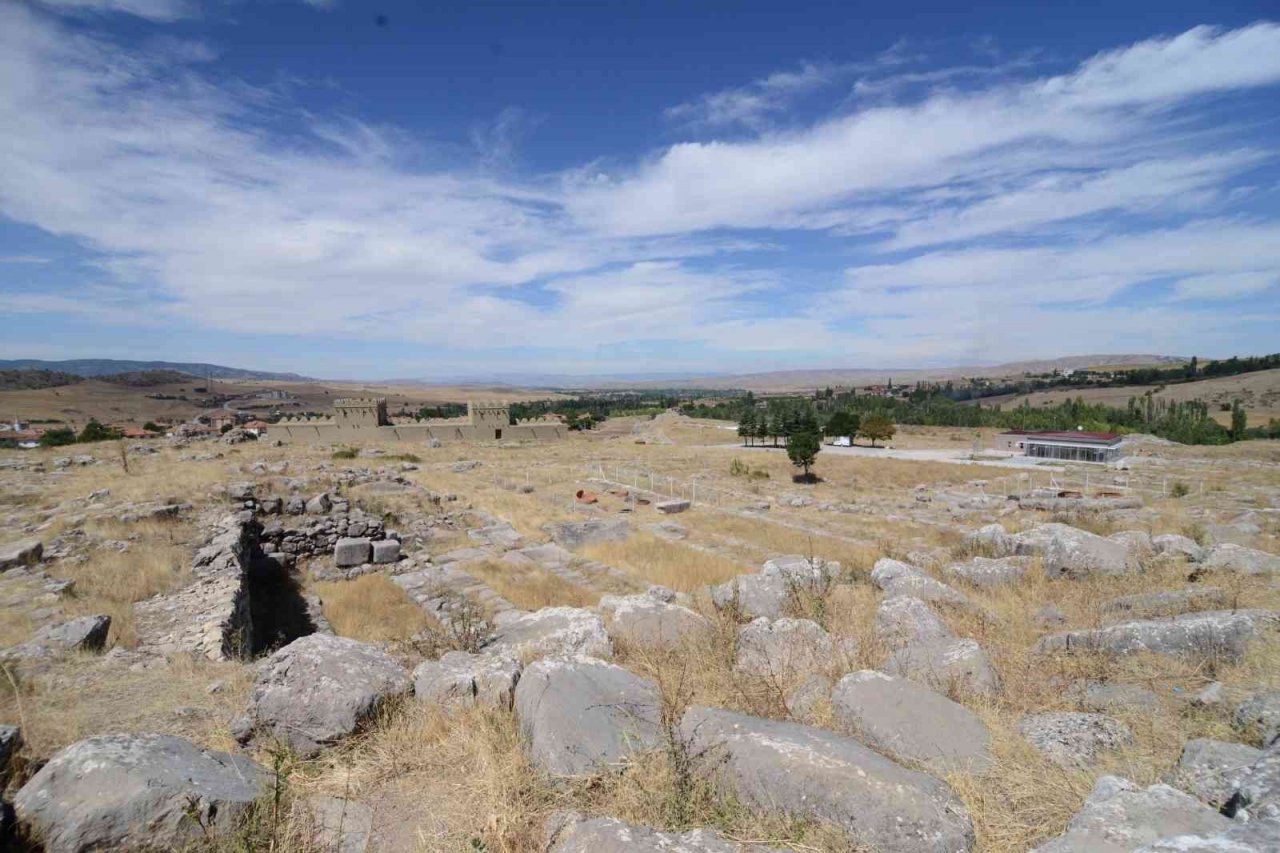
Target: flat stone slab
1120, 817
552, 631
581, 716
571, 832
352, 551
1246, 561
574, 534
904, 621
1067, 551
1222, 634
319, 689
1256, 836
340, 825
672, 507
136, 792
911, 722
897, 578
811, 773
944, 665
1100, 696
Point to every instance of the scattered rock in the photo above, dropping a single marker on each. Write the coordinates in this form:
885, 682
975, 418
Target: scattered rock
1119, 817
911, 722
651, 621
1260, 717
1173, 545
86, 634
1257, 789
1215, 634
1207, 769
501, 535
1051, 616
1137, 541
463, 679
552, 631
10, 740
135, 792
581, 716
1246, 561
946, 666
671, 507
571, 832
320, 504
898, 578
1256, 836
321, 688
904, 621
1073, 739
991, 539
1069, 552
989, 573
1210, 697
24, 552
1168, 603
808, 772
785, 649
805, 702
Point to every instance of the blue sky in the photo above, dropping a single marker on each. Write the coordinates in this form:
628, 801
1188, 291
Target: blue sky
354, 189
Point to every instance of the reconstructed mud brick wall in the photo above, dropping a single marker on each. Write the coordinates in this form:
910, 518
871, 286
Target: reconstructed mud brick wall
365, 419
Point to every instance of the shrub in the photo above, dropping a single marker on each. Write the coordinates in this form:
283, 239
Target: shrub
346, 453
1179, 489
58, 438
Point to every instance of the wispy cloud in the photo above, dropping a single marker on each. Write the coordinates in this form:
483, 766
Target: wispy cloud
154, 10
1045, 203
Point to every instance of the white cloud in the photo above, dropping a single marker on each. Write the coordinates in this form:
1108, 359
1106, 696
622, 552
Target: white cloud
189, 202
755, 104
155, 10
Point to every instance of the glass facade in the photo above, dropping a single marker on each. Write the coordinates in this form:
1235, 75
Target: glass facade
1069, 452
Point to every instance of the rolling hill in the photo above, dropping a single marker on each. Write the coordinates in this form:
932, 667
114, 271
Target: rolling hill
94, 367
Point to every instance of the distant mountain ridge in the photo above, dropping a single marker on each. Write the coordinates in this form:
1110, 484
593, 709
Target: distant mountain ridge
94, 367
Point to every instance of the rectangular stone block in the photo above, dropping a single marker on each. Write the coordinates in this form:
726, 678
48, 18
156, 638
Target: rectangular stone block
351, 552
386, 551
672, 507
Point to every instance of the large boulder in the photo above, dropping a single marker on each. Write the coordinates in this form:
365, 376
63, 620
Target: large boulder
1227, 557
319, 689
1070, 552
1172, 545
807, 772
1208, 769
1074, 739
1119, 817
991, 540
912, 722
1260, 716
989, 573
575, 534
922, 648
581, 716
135, 792
1105, 696
647, 621
780, 581
1214, 634
24, 552
897, 578
463, 679
571, 832
788, 649
904, 621
551, 631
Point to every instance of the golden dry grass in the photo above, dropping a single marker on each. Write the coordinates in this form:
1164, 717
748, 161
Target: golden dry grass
531, 587
371, 609
657, 561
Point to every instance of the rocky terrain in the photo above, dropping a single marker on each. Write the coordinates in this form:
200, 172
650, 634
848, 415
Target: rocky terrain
614, 644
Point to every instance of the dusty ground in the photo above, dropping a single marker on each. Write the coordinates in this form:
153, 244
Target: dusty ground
442, 782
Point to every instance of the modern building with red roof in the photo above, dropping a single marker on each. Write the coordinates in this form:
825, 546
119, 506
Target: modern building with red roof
1062, 445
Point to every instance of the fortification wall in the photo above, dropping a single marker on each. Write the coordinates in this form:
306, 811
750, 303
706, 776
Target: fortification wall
325, 432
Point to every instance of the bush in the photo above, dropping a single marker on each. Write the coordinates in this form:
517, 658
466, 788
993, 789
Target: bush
1179, 489
346, 453
58, 437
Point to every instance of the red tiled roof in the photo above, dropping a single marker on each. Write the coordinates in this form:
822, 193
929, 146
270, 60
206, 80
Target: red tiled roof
1066, 435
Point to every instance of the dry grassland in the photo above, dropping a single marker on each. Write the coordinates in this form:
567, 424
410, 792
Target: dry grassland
371, 609
529, 587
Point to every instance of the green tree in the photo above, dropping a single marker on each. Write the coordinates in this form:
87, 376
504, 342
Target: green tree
877, 428
842, 423
747, 426
94, 431
152, 426
802, 449
1239, 421
58, 437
